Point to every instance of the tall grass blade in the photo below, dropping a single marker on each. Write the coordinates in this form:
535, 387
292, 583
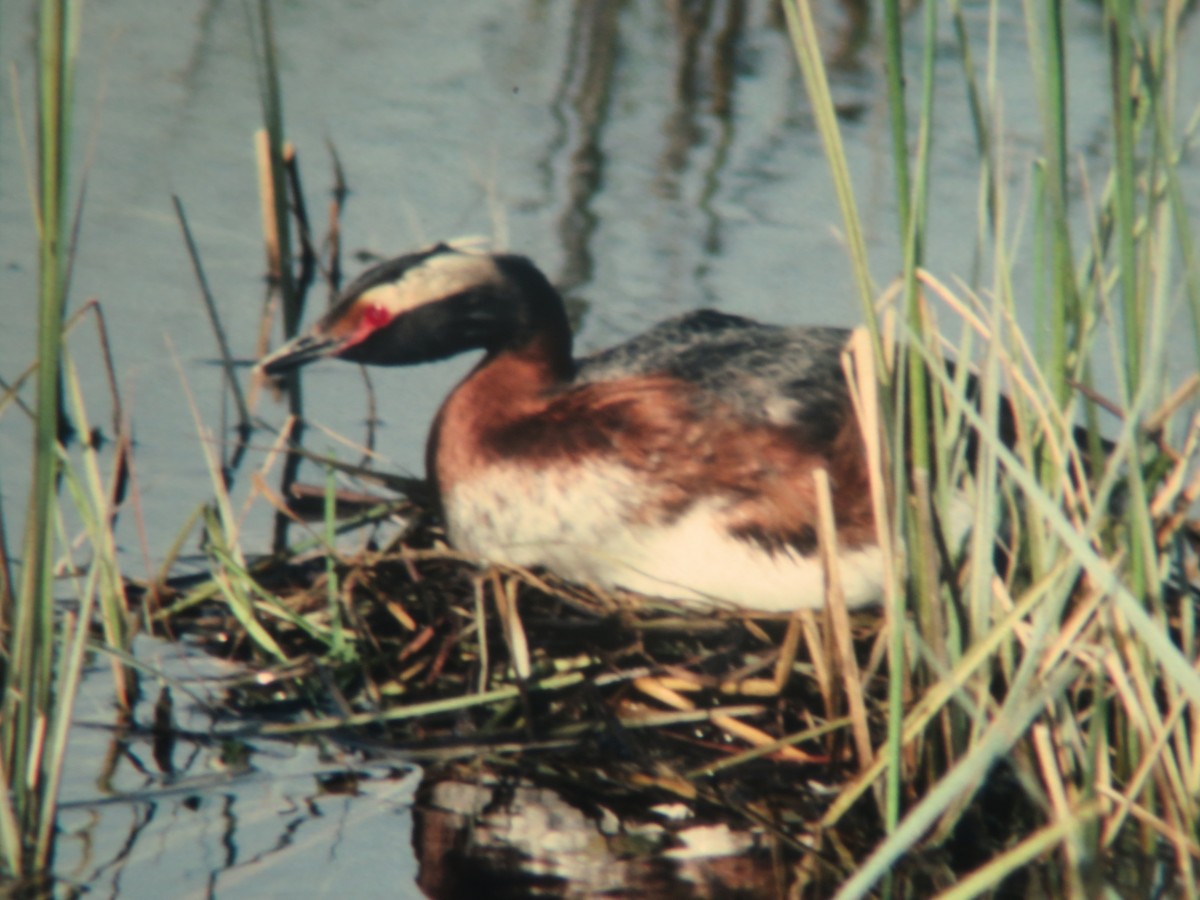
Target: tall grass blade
94, 503
1119, 15
1043, 22
964, 778
803, 33
31, 689
1087, 575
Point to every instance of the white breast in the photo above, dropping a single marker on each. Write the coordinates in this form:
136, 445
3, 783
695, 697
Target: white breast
582, 523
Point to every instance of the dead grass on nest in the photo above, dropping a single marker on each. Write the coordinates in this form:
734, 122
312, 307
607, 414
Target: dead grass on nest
411, 649
443, 659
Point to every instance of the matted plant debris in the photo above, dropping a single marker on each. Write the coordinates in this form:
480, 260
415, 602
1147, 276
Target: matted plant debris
618, 704
436, 652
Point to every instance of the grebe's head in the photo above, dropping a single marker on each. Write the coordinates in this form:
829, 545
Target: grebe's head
430, 305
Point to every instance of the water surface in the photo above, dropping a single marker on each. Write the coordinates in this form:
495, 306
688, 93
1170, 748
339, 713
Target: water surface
651, 156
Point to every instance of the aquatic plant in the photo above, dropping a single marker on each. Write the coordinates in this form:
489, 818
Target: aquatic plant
43, 643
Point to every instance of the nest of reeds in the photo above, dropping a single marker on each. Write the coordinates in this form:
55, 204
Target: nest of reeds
406, 647
442, 658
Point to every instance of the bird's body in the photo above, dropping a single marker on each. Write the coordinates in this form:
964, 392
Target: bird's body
677, 464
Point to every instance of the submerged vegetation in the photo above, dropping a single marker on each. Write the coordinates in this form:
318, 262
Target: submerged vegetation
1021, 715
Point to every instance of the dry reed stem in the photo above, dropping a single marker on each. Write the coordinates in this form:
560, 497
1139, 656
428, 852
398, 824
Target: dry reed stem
1182, 841
653, 687
1154, 729
214, 317
266, 197
10, 391
839, 620
814, 640
680, 787
258, 478
505, 593
1174, 486
1070, 640
1157, 420
787, 651
1033, 389
1125, 693
684, 682
1148, 766
333, 233
939, 693
485, 666
753, 687
400, 614
1051, 766
858, 366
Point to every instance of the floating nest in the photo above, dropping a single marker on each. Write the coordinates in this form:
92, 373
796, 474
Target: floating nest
503, 682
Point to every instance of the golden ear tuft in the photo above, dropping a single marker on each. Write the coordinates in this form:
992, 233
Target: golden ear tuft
436, 278
474, 244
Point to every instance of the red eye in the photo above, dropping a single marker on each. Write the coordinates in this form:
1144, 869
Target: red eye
374, 316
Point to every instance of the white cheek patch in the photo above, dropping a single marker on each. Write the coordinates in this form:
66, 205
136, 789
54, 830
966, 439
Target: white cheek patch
579, 522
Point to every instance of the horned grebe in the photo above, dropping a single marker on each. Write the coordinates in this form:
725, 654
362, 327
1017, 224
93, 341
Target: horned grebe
677, 464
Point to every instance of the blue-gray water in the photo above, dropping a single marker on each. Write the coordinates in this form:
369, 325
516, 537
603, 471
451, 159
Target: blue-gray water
651, 156
649, 161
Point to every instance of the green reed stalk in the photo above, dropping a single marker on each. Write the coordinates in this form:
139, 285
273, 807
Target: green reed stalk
1118, 14
1085, 583
1119, 21
803, 33
31, 693
1164, 123
1054, 257
1044, 28
340, 649
911, 231
893, 67
980, 113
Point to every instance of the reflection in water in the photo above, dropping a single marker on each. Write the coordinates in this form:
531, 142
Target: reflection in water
706, 66
179, 808
580, 109
513, 838
855, 29
617, 57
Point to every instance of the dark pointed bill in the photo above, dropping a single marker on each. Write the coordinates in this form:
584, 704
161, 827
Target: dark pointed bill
299, 352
